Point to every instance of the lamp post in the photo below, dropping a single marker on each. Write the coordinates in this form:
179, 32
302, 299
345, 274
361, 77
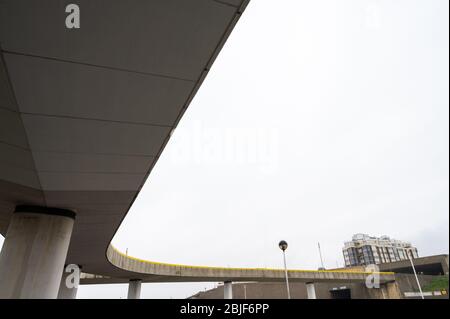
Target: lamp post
409, 253
283, 246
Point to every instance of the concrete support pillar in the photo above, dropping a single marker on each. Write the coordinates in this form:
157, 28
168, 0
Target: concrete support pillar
311, 290
392, 290
228, 290
134, 289
383, 291
34, 251
70, 280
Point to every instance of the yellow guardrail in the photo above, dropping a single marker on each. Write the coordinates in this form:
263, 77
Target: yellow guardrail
244, 269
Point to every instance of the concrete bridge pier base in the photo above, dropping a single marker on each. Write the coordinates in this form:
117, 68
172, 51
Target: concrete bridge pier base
134, 289
34, 252
228, 290
311, 290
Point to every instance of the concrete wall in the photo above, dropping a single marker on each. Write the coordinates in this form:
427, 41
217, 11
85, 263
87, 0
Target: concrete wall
298, 291
445, 265
392, 290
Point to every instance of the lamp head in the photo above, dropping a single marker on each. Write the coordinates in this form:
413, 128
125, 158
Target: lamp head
283, 245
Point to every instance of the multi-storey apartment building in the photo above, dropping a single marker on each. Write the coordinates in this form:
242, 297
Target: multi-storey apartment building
366, 250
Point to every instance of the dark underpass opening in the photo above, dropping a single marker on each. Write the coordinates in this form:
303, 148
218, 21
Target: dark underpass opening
341, 294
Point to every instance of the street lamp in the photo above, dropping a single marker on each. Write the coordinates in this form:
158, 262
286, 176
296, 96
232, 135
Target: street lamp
409, 253
283, 246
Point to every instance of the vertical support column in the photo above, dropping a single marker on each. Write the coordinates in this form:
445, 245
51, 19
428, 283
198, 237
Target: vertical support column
311, 290
392, 290
228, 290
34, 251
383, 291
70, 280
134, 289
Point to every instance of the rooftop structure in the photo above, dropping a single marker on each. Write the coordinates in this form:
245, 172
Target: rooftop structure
365, 250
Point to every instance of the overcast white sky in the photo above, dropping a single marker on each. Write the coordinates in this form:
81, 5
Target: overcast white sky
319, 119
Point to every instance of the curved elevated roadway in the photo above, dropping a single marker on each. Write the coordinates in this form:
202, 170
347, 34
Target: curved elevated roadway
150, 271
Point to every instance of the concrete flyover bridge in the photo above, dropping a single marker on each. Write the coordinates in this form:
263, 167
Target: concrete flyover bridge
86, 110
150, 271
